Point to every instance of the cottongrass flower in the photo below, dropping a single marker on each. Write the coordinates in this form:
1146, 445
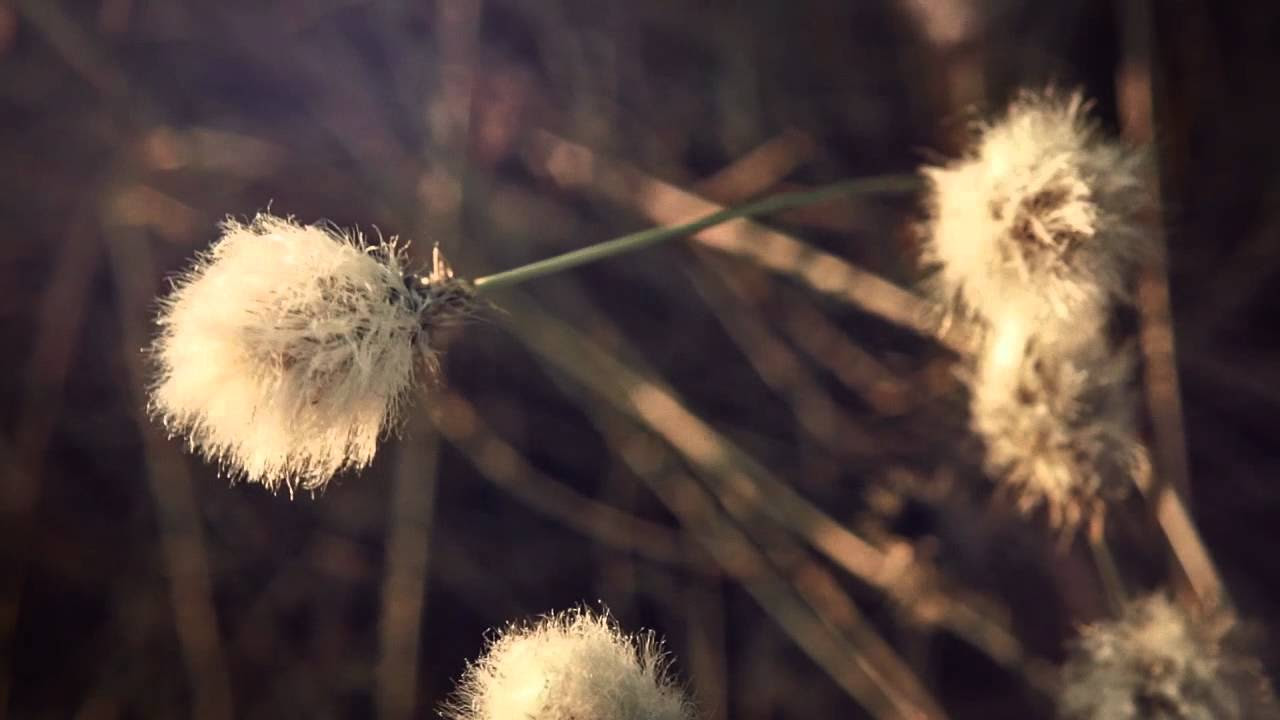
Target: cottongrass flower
575, 665
1156, 662
1035, 234
1060, 431
286, 351
1038, 221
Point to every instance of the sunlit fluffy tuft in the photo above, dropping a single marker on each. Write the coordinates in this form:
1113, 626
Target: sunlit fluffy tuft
1038, 219
1158, 663
286, 351
1060, 430
573, 666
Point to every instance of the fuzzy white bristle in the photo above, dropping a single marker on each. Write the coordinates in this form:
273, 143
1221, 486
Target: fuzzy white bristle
1035, 234
286, 351
572, 666
1039, 219
1157, 663
1060, 431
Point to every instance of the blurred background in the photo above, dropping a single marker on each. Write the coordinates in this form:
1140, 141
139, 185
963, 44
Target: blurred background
739, 441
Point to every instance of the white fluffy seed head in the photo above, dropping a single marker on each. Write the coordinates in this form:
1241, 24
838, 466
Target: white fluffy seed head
285, 352
1039, 219
575, 665
1059, 429
1156, 662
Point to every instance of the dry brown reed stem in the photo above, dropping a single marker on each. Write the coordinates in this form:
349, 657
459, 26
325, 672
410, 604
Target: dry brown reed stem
1160, 365
830, 348
734, 485
448, 119
575, 166
1109, 578
782, 369
1162, 491
1164, 400
912, 585
75, 46
823, 620
1139, 100
655, 405
412, 515
752, 492
919, 591
758, 170
857, 659
61, 311
345, 108
181, 532
754, 173
1184, 540
707, 638
501, 464
1135, 96
816, 586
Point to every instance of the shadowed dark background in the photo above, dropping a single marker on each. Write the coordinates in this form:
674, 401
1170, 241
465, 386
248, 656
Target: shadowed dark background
136, 582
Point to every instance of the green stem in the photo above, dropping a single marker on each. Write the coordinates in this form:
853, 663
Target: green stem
878, 184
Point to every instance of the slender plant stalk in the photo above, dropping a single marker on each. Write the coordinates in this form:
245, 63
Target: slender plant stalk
1167, 491
1108, 573
874, 185
412, 514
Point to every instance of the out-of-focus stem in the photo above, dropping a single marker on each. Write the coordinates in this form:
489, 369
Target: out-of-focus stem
880, 184
1108, 572
1142, 97
412, 514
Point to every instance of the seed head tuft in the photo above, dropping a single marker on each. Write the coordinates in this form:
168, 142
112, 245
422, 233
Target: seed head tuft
1038, 218
1157, 662
1060, 430
571, 666
1034, 234
285, 351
